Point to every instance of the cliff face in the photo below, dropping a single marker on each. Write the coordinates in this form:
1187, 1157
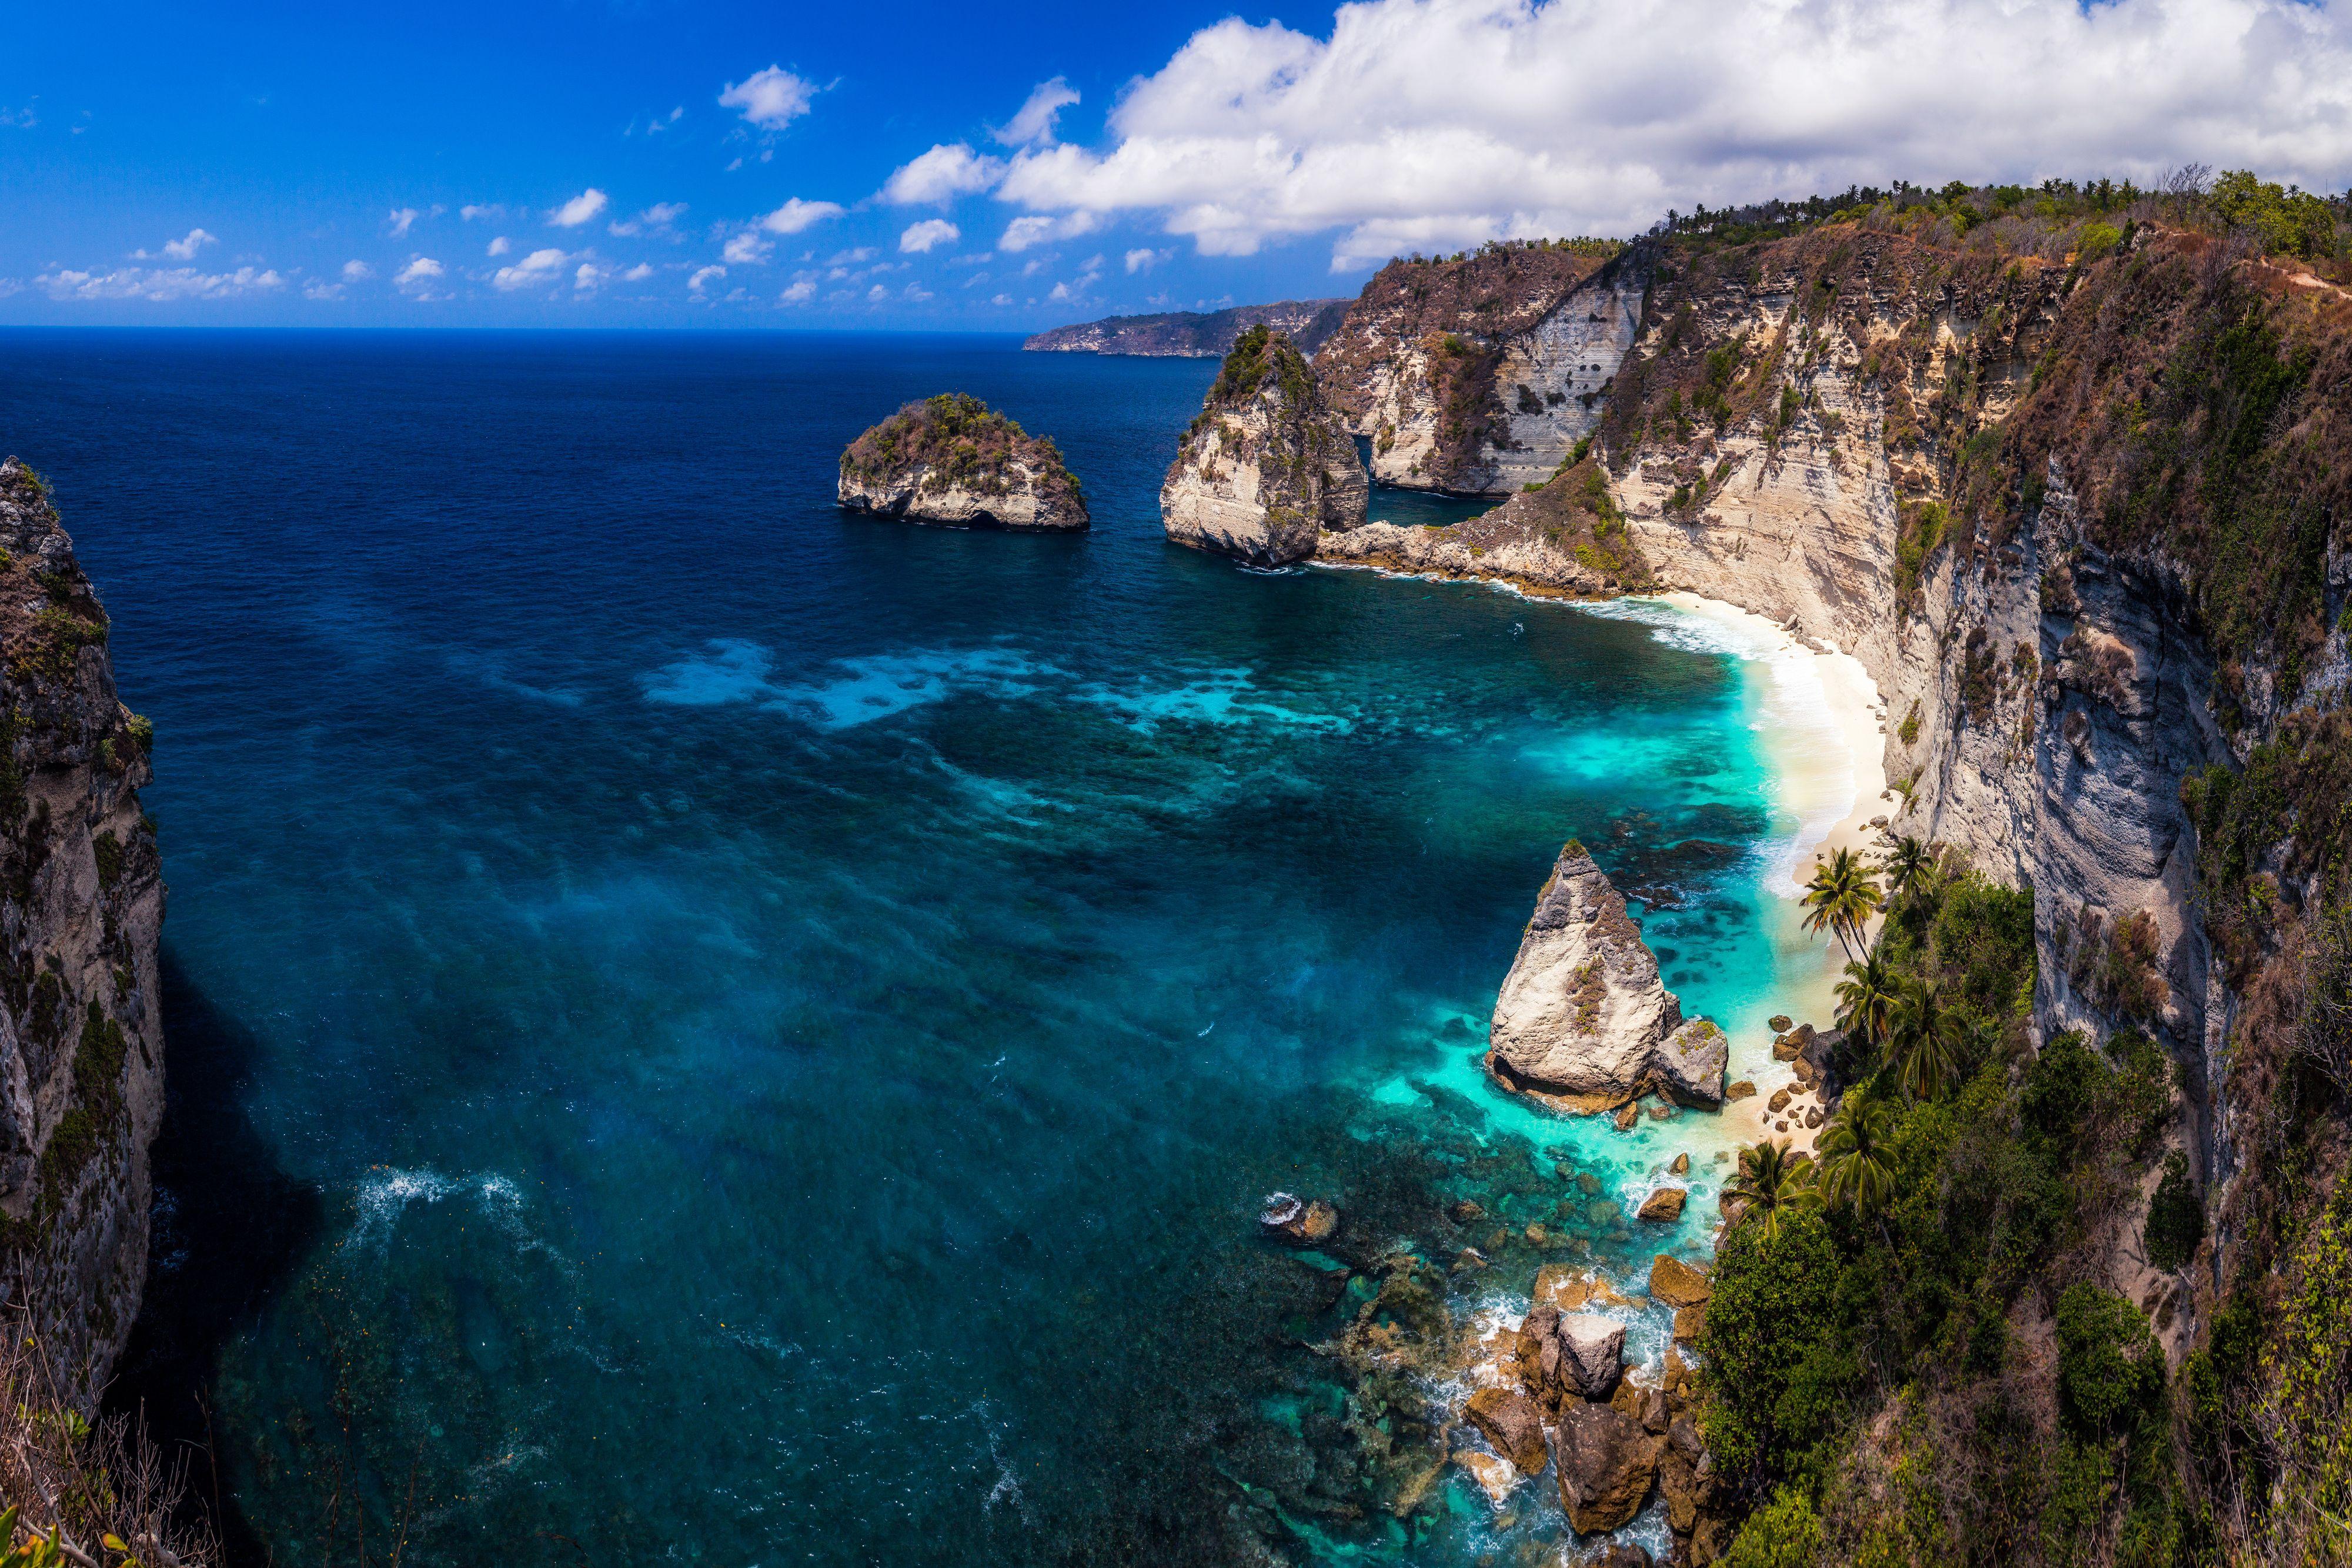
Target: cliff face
1267, 465
1583, 1019
1195, 334
950, 459
81, 901
1566, 538
1479, 374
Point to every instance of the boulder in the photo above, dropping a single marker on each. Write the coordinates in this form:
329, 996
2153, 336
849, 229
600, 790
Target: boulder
1497, 1478
1787, 1047
1743, 1090
1681, 1165
952, 459
1777, 1023
1627, 1117
1665, 1205
1606, 1465
1466, 1212
1289, 1218
1690, 1323
1511, 1423
1584, 1019
1267, 466
1780, 1101
1592, 1353
1677, 1283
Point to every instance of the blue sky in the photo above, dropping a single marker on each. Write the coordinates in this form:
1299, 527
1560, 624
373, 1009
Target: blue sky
674, 164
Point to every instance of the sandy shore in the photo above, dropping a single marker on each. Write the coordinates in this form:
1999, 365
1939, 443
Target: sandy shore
1839, 781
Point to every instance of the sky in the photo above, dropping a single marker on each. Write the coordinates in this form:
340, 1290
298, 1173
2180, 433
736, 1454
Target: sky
666, 163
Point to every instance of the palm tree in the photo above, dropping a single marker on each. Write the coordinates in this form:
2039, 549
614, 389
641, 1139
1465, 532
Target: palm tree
1865, 998
1841, 897
1927, 1035
1769, 1184
1906, 862
1857, 1163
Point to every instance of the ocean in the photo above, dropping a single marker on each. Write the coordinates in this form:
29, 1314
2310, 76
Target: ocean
707, 1028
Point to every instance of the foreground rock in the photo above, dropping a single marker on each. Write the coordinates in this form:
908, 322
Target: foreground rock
81, 901
1565, 1357
1513, 1424
1606, 1465
952, 459
1584, 1019
1266, 466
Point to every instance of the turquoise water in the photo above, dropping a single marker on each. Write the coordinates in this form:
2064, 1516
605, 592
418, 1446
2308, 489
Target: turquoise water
708, 1029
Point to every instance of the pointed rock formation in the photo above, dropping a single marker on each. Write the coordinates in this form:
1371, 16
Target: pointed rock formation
1584, 1019
953, 459
1266, 466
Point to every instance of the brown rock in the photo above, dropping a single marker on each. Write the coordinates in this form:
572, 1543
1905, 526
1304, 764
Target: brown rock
1678, 1483
1681, 1165
1665, 1205
1792, 1045
1496, 1476
1287, 1218
1512, 1424
1606, 1465
1626, 1117
1689, 1323
1780, 1101
1588, 1185
1538, 1235
1743, 1090
1710, 1537
1814, 1118
1466, 1212
1677, 1283
1655, 1417
1626, 1400
1662, 1112
1604, 1212
1777, 1023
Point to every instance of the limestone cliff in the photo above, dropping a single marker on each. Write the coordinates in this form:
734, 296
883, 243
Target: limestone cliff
1565, 538
1583, 1019
950, 459
1194, 334
1266, 466
1478, 374
81, 901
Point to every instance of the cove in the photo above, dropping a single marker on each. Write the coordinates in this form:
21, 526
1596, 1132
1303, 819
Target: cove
778, 1027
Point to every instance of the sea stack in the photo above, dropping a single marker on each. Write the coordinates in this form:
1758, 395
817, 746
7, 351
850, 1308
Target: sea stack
1584, 1021
953, 460
1266, 466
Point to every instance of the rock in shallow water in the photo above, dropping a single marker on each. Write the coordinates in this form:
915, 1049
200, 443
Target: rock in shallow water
1606, 1465
1663, 1205
1584, 1019
1289, 1218
1513, 1424
1267, 466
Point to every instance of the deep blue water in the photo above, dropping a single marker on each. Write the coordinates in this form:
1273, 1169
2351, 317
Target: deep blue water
708, 1029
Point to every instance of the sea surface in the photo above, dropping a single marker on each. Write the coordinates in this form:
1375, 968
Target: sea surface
707, 1029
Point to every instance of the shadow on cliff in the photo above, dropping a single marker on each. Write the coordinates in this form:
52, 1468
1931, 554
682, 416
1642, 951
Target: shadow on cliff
229, 1228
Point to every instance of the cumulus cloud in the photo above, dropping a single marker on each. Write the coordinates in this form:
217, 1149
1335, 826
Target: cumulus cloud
796, 215
705, 275
402, 219
580, 209
1144, 260
1035, 120
858, 258
922, 237
420, 270
746, 249
473, 210
498, 246
182, 249
801, 291
877, 294
946, 172
1023, 233
1436, 123
638, 273
773, 97
357, 271
539, 267
159, 284
656, 218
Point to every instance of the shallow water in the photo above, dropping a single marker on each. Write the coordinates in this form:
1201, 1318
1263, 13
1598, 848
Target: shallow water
704, 1022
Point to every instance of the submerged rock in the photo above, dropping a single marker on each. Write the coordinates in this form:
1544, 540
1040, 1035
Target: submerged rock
953, 459
1663, 1205
1266, 466
1606, 1465
1289, 1218
1584, 1019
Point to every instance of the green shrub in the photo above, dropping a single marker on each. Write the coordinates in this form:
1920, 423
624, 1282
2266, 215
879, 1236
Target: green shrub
2288, 222
2110, 1372
1772, 1306
1784, 1533
2176, 1219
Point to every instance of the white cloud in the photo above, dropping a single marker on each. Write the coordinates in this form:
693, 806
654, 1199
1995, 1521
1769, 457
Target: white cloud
1000, 300
746, 249
402, 219
1144, 260
946, 172
498, 246
182, 249
637, 274
1035, 122
773, 97
1023, 233
539, 267
158, 284
858, 258
657, 217
877, 294
318, 289
1441, 122
422, 269
916, 293
473, 210
795, 215
801, 292
705, 276
356, 271
589, 276
920, 238
580, 209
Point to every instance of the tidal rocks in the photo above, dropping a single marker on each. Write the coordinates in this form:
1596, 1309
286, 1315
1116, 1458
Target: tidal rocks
1677, 1283
82, 903
1266, 466
952, 459
1287, 1218
1663, 1205
1584, 1019
1512, 1423
1566, 1356
1606, 1465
